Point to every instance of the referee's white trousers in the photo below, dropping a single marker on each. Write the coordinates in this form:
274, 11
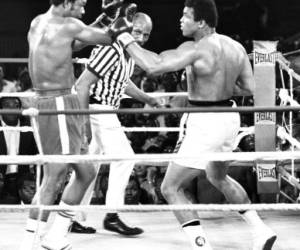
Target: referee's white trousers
108, 137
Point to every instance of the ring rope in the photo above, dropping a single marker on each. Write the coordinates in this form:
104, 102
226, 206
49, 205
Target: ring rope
18, 94
126, 129
286, 136
20, 129
170, 129
151, 129
288, 177
290, 99
247, 109
209, 156
153, 94
25, 60
160, 208
291, 81
86, 60
288, 69
292, 52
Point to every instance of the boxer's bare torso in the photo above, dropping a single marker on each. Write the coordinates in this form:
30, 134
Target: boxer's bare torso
51, 37
221, 64
50, 54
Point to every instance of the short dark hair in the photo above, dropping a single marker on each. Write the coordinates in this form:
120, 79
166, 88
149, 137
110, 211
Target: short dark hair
17, 101
204, 10
59, 2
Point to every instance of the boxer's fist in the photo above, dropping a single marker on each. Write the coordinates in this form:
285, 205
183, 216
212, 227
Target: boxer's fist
111, 9
128, 11
121, 25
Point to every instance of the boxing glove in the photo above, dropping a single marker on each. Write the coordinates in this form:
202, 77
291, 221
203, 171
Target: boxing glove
128, 11
111, 9
119, 26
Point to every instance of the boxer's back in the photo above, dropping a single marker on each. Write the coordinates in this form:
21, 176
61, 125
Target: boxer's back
50, 53
225, 58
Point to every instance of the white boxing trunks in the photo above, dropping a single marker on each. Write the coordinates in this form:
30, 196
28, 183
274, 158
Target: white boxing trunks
206, 132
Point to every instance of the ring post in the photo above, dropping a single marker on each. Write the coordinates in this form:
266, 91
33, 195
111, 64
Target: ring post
264, 59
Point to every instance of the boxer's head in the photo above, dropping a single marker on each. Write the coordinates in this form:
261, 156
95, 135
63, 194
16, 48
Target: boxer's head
142, 27
73, 8
198, 14
77, 8
61, 2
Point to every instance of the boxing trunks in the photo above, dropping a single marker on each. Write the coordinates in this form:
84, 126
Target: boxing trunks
60, 134
206, 132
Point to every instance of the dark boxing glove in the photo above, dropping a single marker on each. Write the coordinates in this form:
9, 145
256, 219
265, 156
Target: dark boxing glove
122, 27
111, 9
128, 11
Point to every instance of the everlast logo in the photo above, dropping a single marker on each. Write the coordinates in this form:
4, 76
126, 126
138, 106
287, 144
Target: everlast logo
265, 116
266, 173
265, 58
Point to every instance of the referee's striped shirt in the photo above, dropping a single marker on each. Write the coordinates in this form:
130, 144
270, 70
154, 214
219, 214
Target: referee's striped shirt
114, 70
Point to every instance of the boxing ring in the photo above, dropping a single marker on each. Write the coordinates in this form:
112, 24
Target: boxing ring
224, 227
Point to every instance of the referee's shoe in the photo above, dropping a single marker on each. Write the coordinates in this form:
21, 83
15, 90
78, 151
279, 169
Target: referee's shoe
113, 223
76, 227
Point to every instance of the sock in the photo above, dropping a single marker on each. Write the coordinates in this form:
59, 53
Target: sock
62, 222
111, 216
253, 220
32, 226
196, 235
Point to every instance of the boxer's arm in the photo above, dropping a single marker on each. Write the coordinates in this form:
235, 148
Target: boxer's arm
82, 85
245, 83
167, 61
111, 10
133, 91
87, 34
102, 59
78, 45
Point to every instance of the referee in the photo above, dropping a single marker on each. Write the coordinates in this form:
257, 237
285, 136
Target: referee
107, 78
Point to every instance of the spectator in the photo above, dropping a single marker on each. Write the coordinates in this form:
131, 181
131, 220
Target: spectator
149, 179
5, 85
26, 185
133, 192
14, 143
24, 80
138, 76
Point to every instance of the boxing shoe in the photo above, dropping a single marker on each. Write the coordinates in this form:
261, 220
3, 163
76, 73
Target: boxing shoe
264, 239
76, 227
113, 223
51, 243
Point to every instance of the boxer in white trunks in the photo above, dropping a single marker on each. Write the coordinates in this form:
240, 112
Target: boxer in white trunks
217, 68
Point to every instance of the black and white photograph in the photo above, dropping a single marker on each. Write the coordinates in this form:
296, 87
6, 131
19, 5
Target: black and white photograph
149, 124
